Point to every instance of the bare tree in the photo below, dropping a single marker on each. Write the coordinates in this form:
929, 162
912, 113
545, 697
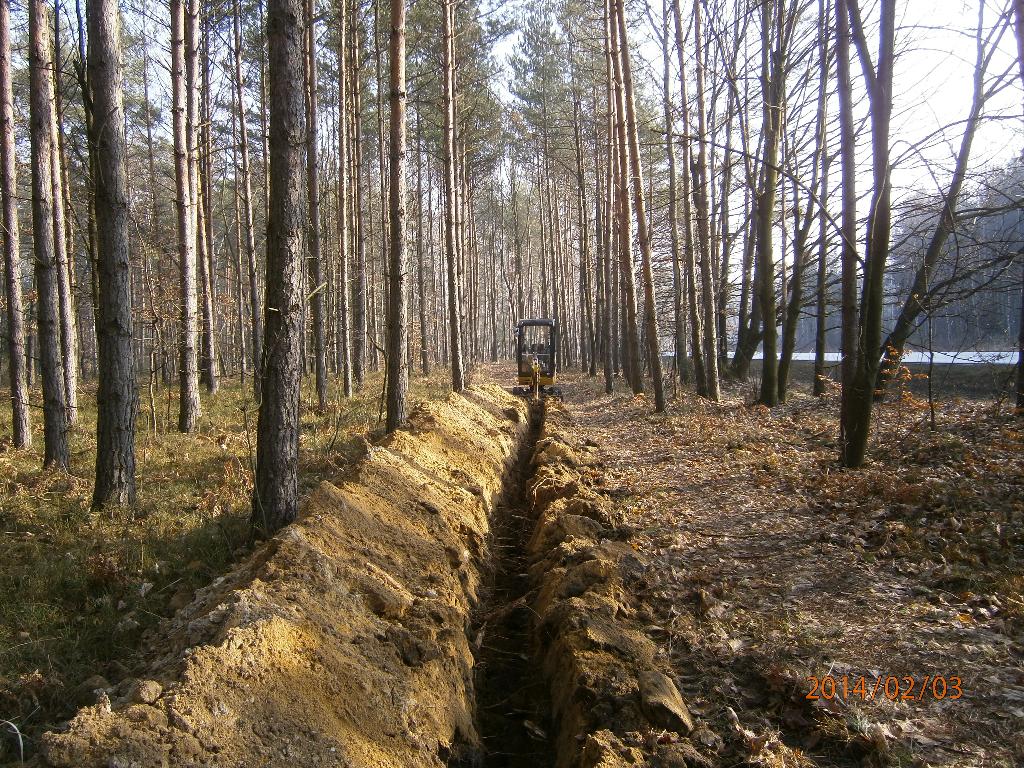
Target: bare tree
343, 345
776, 30
450, 235
249, 241
397, 364
631, 338
317, 287
117, 396
699, 172
21, 424
643, 232
866, 334
276, 491
41, 105
1018, 27
919, 297
188, 330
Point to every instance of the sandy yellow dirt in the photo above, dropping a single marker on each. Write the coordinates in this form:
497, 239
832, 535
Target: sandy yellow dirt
342, 640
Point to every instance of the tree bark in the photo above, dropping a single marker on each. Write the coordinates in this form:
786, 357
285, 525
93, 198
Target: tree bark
450, 202
821, 319
1018, 27
188, 408
849, 257
204, 215
631, 358
359, 320
41, 105
117, 396
255, 298
680, 352
397, 363
689, 260
420, 275
643, 231
343, 343
773, 95
21, 424
64, 236
317, 286
856, 416
276, 490
709, 353
68, 326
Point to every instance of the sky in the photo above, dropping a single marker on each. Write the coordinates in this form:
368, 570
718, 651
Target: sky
933, 88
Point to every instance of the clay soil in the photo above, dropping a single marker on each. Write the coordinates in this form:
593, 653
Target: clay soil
768, 565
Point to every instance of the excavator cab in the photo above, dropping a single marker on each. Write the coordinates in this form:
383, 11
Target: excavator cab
537, 358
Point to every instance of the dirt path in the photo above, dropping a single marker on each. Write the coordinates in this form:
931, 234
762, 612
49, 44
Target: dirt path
771, 566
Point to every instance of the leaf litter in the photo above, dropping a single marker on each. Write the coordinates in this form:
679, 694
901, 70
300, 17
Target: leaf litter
771, 564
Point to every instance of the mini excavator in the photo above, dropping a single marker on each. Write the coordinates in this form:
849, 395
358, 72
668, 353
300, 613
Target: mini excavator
537, 358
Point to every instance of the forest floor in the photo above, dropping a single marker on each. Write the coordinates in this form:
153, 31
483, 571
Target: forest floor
79, 588
892, 595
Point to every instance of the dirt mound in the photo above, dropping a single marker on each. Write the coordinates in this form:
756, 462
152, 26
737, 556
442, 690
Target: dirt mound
342, 641
613, 699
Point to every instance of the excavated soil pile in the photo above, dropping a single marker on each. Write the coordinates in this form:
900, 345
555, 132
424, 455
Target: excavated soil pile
342, 641
613, 699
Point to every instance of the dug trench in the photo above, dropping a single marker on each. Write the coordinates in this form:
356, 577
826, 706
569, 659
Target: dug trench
510, 696
460, 597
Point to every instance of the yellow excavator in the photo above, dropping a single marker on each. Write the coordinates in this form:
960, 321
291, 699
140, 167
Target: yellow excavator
537, 358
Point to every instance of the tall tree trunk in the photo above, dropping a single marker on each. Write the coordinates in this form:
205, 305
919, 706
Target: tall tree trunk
317, 286
359, 323
68, 326
1018, 26
602, 236
397, 368
773, 94
679, 350
631, 359
255, 298
587, 342
188, 411
63, 220
689, 260
204, 216
848, 166
802, 229
21, 424
343, 343
421, 281
700, 192
856, 417
41, 105
643, 231
239, 269
117, 396
276, 490
450, 202
821, 319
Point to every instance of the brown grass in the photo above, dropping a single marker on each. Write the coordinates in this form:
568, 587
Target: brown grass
79, 587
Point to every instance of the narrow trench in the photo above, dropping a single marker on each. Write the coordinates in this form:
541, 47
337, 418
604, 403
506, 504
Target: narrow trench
511, 697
